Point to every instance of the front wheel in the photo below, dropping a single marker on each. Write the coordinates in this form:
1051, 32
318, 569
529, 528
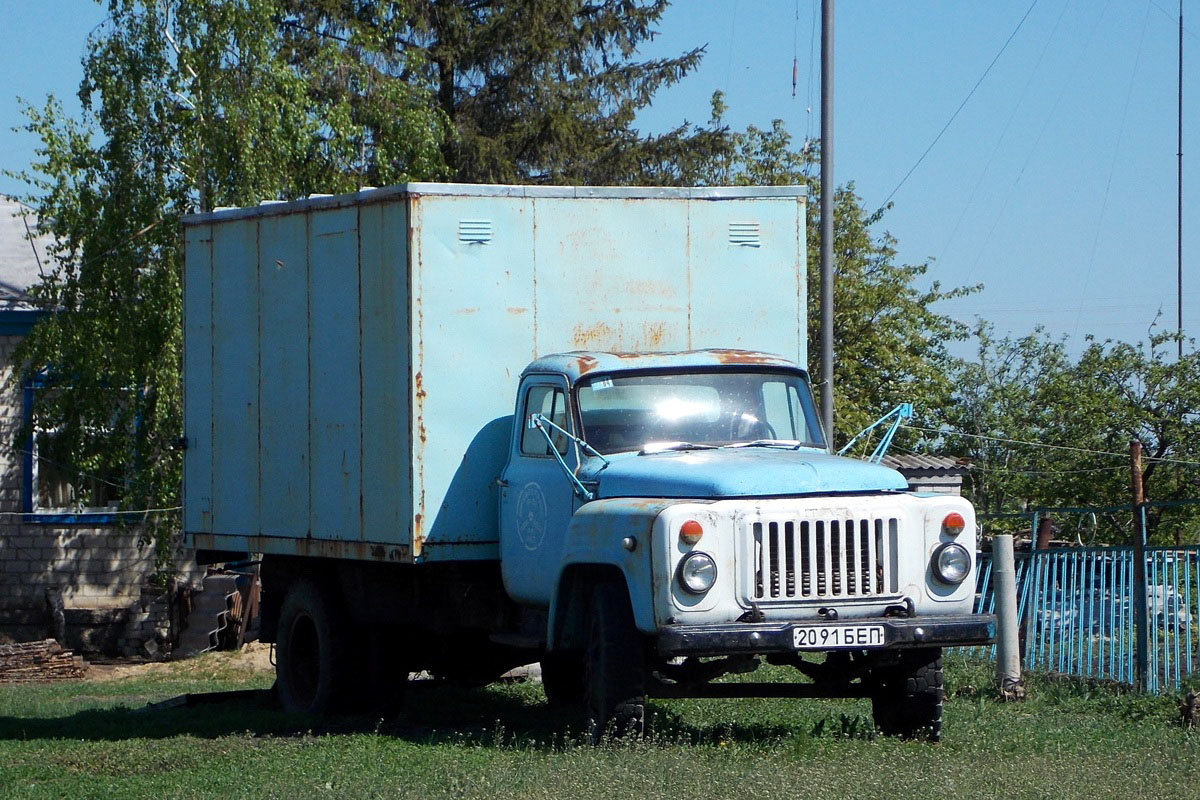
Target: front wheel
616, 666
907, 697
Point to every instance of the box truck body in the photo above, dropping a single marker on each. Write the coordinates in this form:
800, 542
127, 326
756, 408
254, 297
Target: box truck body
351, 362
468, 427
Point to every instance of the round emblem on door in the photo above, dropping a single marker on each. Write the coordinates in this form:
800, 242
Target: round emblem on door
531, 516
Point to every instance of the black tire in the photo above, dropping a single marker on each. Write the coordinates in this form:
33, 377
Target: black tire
616, 667
564, 678
907, 696
311, 664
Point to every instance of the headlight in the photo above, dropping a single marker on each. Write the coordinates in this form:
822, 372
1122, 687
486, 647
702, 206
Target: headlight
697, 572
951, 563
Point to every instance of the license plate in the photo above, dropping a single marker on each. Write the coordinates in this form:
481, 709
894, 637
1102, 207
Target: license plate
824, 637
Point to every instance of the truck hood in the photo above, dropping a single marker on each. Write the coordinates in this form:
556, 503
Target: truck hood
737, 472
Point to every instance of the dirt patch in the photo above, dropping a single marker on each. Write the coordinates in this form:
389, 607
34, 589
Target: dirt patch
254, 657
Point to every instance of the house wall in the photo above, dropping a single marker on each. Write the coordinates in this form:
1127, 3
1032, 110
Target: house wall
101, 573
939, 482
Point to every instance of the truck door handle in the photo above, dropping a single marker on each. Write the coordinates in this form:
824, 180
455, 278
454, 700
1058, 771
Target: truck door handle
503, 484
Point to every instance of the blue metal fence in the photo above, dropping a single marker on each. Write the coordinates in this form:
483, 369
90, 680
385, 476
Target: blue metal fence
1077, 612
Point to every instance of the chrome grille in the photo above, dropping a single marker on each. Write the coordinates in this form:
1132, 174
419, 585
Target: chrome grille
823, 558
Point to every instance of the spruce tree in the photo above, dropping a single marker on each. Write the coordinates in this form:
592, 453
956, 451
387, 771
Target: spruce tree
536, 91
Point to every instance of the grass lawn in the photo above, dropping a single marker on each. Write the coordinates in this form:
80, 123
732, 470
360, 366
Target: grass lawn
89, 739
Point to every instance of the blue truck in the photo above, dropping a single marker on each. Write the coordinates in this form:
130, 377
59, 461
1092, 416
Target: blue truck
467, 428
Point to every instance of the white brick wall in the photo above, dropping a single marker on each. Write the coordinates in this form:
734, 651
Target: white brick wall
93, 567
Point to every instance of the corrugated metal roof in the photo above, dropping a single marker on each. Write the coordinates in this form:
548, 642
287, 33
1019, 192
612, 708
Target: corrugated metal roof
915, 461
19, 258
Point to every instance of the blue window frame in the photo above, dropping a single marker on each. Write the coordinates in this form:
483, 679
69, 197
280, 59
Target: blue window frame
30, 493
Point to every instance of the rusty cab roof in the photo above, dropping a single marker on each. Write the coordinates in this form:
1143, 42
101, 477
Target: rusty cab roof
580, 363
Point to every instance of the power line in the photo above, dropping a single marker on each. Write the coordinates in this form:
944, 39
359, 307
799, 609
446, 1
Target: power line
1007, 125
1035, 472
1048, 446
961, 105
808, 115
106, 512
795, 47
1112, 168
978, 468
1008, 195
1171, 17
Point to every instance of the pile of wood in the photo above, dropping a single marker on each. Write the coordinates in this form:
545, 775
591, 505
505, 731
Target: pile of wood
39, 661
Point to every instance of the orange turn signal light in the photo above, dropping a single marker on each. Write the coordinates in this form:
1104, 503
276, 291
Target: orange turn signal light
954, 523
690, 532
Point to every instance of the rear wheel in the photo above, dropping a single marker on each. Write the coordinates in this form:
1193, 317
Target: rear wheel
311, 660
616, 666
907, 696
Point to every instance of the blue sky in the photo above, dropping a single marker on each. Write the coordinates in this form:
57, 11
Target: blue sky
1054, 186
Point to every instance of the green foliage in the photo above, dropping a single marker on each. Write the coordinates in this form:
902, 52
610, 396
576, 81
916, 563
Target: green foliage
186, 105
890, 342
1081, 414
541, 91
190, 105
889, 339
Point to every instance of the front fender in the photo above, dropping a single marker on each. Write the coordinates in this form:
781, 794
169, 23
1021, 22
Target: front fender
593, 550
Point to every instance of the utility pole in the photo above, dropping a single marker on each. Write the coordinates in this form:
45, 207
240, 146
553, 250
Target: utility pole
827, 190
1179, 192
1140, 612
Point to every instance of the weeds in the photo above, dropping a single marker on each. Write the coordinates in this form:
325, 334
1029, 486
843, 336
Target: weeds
1070, 740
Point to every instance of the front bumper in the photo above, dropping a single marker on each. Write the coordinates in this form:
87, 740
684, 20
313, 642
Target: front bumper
774, 637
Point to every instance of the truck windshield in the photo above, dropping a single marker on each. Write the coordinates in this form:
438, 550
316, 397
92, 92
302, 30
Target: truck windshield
716, 408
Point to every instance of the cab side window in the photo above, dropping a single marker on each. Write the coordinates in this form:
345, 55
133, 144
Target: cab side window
550, 402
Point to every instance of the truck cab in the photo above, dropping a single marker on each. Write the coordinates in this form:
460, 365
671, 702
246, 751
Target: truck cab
680, 516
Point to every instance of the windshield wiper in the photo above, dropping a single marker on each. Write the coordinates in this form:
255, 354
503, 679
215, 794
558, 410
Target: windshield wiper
650, 448
786, 444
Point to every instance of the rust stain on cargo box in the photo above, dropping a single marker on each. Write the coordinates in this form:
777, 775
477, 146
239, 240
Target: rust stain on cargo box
651, 288
653, 333
307, 546
586, 338
419, 383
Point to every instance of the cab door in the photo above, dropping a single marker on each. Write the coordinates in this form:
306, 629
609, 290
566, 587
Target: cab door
537, 498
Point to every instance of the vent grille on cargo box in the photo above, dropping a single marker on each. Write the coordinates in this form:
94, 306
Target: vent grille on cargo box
745, 234
474, 231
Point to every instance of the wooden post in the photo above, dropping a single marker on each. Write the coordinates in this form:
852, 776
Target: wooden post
1045, 532
1140, 611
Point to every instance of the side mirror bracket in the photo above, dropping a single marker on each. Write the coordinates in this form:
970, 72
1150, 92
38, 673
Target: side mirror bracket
544, 425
